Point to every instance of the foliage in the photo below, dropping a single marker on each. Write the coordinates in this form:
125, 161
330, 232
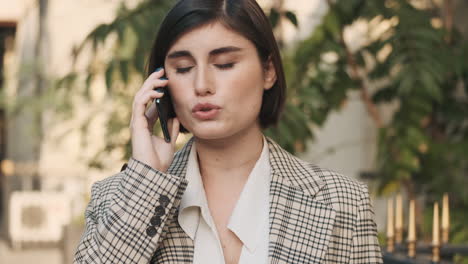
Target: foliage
129, 37
409, 61
422, 68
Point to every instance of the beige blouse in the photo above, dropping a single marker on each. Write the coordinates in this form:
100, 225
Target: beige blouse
249, 219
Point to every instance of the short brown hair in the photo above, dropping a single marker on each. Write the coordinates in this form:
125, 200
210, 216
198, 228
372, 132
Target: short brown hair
243, 16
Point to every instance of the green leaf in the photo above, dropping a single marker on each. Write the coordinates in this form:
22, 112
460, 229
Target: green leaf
407, 83
99, 34
88, 82
124, 70
274, 17
332, 23
292, 18
386, 94
109, 76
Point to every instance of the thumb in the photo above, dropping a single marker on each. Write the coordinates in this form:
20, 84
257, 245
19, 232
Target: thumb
174, 127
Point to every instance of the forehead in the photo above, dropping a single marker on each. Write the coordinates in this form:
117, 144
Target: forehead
208, 37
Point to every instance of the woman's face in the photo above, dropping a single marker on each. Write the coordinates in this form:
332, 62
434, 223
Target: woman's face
216, 81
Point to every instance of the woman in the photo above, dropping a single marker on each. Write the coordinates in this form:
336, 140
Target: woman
230, 195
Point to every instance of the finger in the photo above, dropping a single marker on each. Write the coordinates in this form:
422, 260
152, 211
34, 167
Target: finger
156, 75
154, 80
153, 85
141, 101
152, 114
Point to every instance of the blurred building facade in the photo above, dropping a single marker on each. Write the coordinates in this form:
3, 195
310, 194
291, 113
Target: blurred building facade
31, 157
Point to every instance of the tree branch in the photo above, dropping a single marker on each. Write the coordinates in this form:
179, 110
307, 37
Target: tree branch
351, 61
371, 107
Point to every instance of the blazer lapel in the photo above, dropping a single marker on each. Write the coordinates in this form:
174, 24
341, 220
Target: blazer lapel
301, 222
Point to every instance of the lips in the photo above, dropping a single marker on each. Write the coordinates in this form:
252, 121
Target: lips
205, 107
205, 111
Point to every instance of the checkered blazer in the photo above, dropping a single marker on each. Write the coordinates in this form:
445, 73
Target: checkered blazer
316, 215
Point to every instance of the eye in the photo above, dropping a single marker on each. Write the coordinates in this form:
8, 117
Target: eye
225, 66
183, 70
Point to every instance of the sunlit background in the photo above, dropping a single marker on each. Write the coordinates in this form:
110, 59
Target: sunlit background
377, 90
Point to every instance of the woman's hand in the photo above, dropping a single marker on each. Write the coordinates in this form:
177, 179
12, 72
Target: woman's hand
146, 147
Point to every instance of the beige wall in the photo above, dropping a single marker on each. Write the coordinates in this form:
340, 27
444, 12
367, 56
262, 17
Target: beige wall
12, 10
62, 164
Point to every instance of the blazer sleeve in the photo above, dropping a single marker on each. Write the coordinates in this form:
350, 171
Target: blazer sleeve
126, 216
366, 248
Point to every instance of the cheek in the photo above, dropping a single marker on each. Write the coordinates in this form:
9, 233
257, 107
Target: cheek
179, 97
249, 86
245, 95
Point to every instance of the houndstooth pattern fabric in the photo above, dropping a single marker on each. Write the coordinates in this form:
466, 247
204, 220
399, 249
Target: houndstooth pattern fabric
316, 215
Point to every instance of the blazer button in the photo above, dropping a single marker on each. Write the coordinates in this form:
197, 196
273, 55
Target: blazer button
164, 200
155, 221
123, 167
159, 210
151, 231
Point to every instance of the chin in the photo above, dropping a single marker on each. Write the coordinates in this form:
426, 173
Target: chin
210, 134
211, 131
221, 129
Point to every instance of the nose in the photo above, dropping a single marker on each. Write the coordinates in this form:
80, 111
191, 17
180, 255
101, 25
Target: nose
203, 82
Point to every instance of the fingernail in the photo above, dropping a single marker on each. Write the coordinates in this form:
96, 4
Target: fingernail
159, 68
159, 90
163, 78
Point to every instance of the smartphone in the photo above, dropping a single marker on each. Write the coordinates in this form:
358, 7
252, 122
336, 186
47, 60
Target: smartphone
166, 111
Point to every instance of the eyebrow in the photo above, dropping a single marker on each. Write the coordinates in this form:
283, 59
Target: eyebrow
185, 53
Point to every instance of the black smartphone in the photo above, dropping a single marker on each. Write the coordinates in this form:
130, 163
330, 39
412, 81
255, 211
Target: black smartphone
166, 111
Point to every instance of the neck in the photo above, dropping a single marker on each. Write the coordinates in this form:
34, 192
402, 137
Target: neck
221, 156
